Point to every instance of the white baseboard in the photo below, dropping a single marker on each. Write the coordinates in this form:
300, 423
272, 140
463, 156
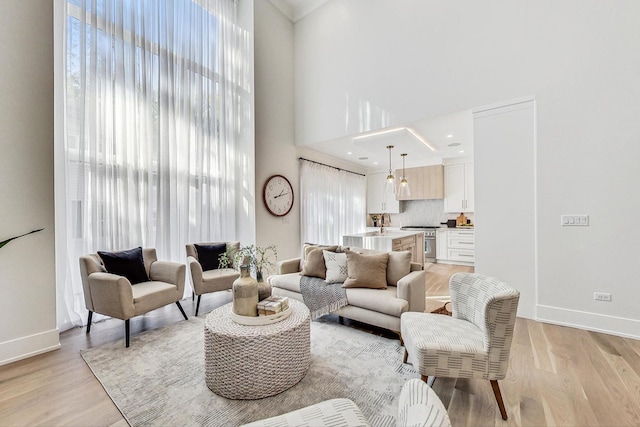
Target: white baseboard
32, 345
619, 326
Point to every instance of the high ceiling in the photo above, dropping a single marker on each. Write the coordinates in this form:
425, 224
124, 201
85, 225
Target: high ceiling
448, 136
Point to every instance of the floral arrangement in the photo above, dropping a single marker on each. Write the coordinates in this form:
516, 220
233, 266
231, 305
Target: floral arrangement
257, 257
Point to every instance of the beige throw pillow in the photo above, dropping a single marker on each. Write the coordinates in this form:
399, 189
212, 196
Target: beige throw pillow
366, 271
314, 265
399, 265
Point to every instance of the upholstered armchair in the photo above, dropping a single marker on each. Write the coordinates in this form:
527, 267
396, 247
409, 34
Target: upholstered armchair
418, 406
475, 342
206, 273
150, 284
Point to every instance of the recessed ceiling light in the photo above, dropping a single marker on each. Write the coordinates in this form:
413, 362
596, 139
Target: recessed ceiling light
363, 158
461, 151
349, 153
375, 163
454, 144
450, 136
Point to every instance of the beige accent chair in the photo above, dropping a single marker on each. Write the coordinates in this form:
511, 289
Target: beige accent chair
114, 296
475, 342
418, 406
216, 280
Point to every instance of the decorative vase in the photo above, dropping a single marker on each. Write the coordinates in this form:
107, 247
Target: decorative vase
245, 294
264, 288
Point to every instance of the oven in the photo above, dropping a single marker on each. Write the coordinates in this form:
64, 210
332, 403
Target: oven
429, 240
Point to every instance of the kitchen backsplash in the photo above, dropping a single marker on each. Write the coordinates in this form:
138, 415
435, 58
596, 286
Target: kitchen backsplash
420, 212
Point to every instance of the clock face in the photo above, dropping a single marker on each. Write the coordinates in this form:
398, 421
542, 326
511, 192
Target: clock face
278, 195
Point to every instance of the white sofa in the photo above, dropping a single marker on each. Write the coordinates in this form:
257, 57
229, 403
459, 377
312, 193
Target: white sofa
377, 307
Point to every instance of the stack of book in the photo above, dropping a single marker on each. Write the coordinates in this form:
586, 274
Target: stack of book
272, 305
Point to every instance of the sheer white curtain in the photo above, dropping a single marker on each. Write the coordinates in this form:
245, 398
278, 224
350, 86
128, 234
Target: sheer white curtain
151, 117
332, 203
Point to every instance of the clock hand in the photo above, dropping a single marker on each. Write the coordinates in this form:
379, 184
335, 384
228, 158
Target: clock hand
281, 194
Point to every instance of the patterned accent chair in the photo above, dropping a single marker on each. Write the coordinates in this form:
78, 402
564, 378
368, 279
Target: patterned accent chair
474, 342
418, 406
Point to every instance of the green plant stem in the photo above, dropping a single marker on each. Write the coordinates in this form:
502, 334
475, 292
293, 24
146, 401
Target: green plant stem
4, 242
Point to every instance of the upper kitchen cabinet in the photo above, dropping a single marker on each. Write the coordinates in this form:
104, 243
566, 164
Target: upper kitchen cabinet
426, 182
458, 187
376, 202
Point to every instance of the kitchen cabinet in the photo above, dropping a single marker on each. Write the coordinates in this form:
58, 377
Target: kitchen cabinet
441, 245
426, 182
376, 201
455, 246
458, 187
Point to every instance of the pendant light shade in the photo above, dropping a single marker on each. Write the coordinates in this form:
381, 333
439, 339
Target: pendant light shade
390, 187
403, 189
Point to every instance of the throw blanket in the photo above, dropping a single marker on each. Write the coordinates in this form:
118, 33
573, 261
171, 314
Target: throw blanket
321, 297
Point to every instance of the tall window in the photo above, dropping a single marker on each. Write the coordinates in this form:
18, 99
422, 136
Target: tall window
154, 102
332, 203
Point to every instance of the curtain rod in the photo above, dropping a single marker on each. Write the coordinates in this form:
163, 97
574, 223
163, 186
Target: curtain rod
329, 166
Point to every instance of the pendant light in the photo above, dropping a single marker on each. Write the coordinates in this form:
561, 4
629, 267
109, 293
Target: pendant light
403, 190
390, 187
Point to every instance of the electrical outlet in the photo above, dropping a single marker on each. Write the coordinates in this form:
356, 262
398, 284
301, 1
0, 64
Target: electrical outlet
601, 296
574, 220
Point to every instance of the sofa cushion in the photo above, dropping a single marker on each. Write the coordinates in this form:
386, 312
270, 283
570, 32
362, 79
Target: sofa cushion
218, 280
398, 266
289, 281
314, 265
366, 271
129, 264
336, 266
209, 255
379, 300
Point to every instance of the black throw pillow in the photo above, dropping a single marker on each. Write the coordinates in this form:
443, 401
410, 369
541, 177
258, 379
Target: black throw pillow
129, 264
209, 255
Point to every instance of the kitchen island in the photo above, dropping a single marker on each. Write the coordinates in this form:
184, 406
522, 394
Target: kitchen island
389, 240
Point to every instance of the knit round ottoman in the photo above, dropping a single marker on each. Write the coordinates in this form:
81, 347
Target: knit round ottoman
252, 362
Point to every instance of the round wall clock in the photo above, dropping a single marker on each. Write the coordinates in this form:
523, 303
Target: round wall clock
278, 195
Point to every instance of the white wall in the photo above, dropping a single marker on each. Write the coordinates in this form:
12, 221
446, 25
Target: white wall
365, 64
275, 150
27, 279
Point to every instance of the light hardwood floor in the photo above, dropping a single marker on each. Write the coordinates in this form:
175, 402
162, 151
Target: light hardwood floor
558, 376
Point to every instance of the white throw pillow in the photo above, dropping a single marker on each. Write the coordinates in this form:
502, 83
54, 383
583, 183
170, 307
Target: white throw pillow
336, 263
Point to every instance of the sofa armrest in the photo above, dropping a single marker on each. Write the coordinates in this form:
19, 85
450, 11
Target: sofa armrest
168, 272
412, 289
111, 295
288, 266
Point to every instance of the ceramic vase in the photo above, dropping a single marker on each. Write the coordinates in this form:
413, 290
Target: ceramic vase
264, 288
245, 294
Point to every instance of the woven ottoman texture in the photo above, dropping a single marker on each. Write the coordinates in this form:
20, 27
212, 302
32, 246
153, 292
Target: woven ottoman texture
252, 362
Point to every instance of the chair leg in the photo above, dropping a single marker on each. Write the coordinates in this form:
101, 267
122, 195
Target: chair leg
89, 321
406, 356
193, 296
341, 320
429, 380
198, 305
126, 333
496, 392
181, 310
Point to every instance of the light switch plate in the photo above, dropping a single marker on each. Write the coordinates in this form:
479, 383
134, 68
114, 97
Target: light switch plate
574, 220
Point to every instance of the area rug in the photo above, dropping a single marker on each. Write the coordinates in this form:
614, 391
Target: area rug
159, 379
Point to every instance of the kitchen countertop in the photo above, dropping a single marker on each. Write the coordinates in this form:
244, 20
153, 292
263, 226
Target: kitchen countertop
393, 234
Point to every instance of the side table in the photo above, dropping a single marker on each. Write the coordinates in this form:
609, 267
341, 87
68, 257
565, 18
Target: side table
252, 362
